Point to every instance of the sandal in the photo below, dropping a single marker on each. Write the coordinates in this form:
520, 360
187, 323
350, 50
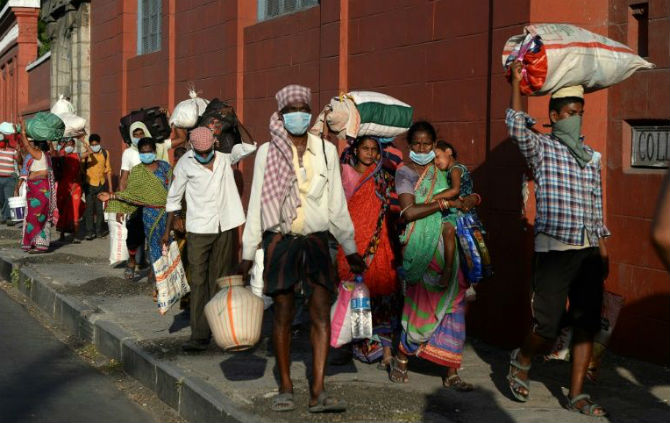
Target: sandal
325, 404
457, 384
514, 382
396, 374
384, 364
589, 408
283, 401
129, 273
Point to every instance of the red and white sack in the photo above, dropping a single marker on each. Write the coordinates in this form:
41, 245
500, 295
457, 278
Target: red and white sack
185, 114
171, 282
118, 251
563, 55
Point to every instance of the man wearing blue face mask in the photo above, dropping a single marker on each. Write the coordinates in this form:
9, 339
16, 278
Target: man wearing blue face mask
97, 171
570, 256
214, 211
296, 199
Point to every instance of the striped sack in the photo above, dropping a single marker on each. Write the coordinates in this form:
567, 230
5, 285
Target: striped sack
381, 114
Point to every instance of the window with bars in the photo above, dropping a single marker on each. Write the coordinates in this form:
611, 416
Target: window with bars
268, 9
148, 26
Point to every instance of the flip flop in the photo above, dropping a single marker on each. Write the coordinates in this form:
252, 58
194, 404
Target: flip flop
325, 404
283, 402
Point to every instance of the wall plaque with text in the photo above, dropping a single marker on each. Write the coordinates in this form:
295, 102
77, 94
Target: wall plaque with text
651, 146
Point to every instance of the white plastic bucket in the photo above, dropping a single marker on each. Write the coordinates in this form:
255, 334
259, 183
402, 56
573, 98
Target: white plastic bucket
17, 208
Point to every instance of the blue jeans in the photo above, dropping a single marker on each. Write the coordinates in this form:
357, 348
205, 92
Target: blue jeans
7, 185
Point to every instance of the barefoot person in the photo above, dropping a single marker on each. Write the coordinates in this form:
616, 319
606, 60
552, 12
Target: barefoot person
296, 199
433, 317
570, 255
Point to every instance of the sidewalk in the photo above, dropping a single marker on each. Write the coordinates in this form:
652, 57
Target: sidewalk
75, 285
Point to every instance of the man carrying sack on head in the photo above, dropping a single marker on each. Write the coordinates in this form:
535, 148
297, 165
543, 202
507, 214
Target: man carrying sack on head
570, 261
296, 199
213, 214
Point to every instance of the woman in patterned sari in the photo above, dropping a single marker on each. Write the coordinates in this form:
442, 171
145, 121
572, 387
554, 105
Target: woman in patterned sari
147, 188
433, 317
369, 188
40, 196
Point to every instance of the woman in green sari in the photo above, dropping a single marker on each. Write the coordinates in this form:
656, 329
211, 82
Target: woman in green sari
433, 318
147, 188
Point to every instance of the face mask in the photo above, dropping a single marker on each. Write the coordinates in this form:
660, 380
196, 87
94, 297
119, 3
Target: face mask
58, 147
147, 158
96, 148
204, 160
135, 140
296, 123
421, 159
69, 149
569, 132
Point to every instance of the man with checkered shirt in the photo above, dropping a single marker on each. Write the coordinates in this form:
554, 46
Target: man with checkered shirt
570, 261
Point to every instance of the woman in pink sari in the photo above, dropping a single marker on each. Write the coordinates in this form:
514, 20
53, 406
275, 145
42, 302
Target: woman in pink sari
41, 196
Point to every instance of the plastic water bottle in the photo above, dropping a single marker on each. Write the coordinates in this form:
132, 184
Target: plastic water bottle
361, 312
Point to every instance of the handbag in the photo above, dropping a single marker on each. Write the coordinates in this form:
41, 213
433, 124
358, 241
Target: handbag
340, 316
171, 280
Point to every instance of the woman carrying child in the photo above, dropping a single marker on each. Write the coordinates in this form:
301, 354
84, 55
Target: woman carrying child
433, 318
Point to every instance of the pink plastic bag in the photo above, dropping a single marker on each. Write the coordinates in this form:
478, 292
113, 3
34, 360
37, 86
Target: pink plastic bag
340, 316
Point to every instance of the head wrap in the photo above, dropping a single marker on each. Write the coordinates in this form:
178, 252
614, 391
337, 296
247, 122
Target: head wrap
292, 94
574, 91
201, 138
140, 125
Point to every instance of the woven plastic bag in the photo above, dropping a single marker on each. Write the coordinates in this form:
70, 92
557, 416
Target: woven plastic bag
381, 115
563, 55
171, 280
118, 251
340, 316
187, 112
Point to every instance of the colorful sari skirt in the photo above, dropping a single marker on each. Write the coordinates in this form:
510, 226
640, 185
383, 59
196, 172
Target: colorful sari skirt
445, 346
37, 225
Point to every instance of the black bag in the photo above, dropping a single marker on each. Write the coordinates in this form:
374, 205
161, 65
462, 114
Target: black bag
155, 120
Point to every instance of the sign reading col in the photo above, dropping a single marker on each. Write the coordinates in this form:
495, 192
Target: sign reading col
651, 146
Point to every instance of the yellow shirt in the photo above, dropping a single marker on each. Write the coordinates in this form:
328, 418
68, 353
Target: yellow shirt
304, 174
97, 167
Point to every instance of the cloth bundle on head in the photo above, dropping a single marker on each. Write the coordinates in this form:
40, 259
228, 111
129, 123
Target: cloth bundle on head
292, 94
343, 118
280, 198
45, 126
202, 138
574, 91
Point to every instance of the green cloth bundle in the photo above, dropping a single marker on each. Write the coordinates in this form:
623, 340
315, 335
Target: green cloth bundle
45, 126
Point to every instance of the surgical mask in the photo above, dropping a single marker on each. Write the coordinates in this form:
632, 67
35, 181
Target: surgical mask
296, 123
96, 148
422, 159
147, 158
58, 147
69, 149
204, 160
135, 141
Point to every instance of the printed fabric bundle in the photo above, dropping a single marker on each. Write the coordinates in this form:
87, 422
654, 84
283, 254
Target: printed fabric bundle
474, 254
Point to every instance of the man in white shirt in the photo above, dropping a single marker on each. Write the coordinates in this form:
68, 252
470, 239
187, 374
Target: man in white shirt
213, 214
296, 199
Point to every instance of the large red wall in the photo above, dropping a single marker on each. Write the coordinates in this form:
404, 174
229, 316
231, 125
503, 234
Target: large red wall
636, 271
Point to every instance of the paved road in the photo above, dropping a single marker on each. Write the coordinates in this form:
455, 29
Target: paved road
41, 380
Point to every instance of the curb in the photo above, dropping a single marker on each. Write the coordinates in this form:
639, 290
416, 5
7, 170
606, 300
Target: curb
193, 398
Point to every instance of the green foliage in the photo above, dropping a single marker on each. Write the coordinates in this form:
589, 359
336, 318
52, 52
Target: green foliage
42, 39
